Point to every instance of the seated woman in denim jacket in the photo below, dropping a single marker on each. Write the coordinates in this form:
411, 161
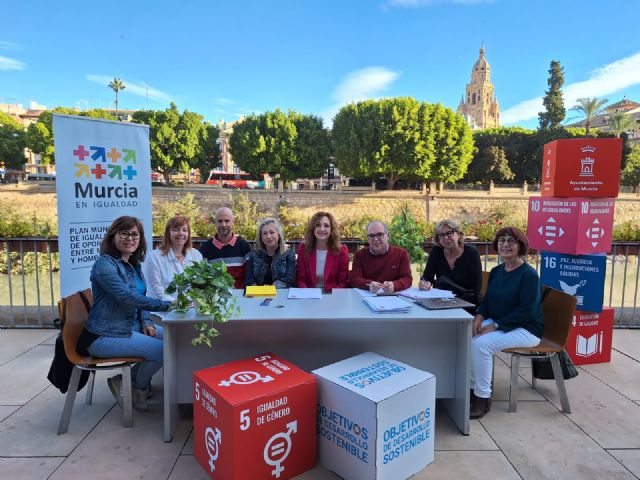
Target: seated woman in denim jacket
271, 262
119, 323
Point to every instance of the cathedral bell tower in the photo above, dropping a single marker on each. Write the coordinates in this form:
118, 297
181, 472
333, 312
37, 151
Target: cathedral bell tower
480, 107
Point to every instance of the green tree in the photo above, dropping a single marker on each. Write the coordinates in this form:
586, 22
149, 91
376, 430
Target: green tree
620, 122
39, 137
116, 85
12, 142
312, 145
265, 143
174, 138
491, 164
553, 102
589, 107
406, 232
208, 157
453, 148
284, 145
631, 171
352, 137
401, 138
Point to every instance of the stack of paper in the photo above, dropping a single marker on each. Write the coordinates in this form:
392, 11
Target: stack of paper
416, 293
387, 304
297, 293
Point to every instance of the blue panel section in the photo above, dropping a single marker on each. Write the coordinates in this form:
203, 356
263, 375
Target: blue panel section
579, 275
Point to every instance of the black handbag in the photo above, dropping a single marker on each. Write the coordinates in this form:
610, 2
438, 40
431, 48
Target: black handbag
542, 367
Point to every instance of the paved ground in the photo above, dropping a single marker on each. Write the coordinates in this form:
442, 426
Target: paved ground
600, 439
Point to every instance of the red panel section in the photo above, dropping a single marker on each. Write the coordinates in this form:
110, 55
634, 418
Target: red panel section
591, 337
255, 419
582, 167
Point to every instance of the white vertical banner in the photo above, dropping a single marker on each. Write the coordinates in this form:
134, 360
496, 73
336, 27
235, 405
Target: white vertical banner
103, 171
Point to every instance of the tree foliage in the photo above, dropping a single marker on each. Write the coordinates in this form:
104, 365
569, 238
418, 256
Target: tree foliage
553, 102
174, 138
589, 107
116, 85
631, 171
620, 122
522, 150
208, 157
401, 138
39, 137
288, 145
12, 142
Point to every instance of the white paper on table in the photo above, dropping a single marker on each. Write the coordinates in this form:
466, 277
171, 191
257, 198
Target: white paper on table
416, 293
364, 293
298, 293
387, 304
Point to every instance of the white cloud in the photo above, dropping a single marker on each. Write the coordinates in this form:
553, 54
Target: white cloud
7, 63
223, 101
10, 46
139, 89
611, 78
430, 3
359, 85
33, 105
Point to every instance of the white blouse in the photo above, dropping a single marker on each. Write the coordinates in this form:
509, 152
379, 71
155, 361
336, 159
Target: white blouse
159, 270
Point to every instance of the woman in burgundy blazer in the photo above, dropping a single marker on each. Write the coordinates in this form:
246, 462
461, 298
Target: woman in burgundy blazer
321, 244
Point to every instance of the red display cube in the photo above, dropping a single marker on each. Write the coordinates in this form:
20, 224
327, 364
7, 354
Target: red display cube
255, 418
591, 336
582, 167
571, 225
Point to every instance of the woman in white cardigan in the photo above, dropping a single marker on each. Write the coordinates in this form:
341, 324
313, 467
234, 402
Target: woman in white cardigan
171, 257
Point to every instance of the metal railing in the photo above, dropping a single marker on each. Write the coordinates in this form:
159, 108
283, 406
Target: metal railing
29, 294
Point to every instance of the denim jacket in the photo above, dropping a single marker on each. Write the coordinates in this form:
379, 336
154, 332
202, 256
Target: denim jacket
117, 307
283, 268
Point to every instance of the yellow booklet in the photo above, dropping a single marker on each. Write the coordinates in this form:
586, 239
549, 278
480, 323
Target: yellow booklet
260, 291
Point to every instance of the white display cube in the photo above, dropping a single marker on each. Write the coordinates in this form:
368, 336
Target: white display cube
376, 418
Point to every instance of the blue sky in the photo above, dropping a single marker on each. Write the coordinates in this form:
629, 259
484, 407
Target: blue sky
224, 59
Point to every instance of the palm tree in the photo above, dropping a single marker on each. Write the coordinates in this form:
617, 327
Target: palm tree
116, 85
621, 122
589, 107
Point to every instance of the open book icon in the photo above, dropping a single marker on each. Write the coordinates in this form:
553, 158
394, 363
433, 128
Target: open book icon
585, 347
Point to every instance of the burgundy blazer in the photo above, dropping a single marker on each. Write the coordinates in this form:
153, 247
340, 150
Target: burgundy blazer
336, 269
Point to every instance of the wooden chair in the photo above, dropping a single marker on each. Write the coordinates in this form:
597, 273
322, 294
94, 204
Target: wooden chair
74, 312
558, 311
485, 283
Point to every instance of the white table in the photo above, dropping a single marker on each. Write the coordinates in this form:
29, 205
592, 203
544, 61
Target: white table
314, 333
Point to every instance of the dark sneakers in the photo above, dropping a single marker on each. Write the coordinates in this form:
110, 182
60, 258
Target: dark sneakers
479, 407
140, 399
139, 396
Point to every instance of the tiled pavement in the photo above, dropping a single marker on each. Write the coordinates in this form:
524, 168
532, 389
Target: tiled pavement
600, 439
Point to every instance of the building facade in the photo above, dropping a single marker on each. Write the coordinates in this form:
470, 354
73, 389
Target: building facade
479, 105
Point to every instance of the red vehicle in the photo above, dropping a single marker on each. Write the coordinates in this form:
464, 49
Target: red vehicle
235, 180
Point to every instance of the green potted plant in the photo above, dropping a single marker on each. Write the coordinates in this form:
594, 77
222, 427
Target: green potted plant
207, 287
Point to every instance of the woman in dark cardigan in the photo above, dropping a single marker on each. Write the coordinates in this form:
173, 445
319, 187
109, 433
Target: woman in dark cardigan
452, 265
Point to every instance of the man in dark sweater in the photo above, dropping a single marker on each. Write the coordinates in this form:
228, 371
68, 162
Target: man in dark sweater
227, 247
380, 267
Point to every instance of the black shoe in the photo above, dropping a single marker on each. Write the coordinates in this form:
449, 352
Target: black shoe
480, 407
140, 399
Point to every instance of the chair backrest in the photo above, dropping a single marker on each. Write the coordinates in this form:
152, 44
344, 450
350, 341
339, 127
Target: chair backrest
485, 283
74, 312
558, 309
